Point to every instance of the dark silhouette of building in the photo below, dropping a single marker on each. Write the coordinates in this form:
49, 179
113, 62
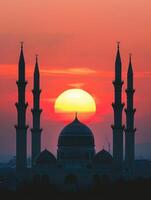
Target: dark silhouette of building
118, 108
36, 112
130, 130
76, 141
21, 127
76, 145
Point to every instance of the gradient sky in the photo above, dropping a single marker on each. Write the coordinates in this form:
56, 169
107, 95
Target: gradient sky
76, 43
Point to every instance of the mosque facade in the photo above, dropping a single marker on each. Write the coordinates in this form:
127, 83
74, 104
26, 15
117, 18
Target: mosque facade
77, 161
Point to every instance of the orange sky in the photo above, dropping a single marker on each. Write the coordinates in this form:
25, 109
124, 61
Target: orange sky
76, 43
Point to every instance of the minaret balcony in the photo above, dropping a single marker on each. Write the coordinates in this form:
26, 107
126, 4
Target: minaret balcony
118, 106
129, 111
36, 111
36, 91
21, 83
34, 130
130, 130
118, 83
121, 128
130, 91
21, 106
21, 128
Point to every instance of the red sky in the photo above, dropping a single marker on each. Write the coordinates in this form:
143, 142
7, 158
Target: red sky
76, 43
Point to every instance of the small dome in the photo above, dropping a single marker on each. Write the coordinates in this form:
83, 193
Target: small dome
76, 134
45, 158
103, 157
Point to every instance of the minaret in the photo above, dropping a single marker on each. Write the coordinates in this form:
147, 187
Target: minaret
21, 127
36, 112
130, 130
118, 108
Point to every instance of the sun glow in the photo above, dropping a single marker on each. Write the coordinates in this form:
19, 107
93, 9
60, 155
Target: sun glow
75, 100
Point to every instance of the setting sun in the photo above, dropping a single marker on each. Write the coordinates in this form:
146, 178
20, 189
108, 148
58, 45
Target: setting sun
75, 100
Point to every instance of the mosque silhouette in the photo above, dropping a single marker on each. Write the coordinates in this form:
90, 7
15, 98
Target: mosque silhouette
76, 162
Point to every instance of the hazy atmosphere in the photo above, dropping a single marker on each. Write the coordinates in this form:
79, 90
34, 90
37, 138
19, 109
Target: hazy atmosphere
76, 44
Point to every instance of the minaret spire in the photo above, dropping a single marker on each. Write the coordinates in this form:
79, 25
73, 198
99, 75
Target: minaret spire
76, 115
36, 112
118, 108
130, 130
22, 44
21, 70
118, 64
21, 127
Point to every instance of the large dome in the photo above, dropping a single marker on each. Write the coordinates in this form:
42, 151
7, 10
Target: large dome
76, 134
76, 142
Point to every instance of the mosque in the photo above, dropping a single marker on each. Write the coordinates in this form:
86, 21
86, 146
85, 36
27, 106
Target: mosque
76, 161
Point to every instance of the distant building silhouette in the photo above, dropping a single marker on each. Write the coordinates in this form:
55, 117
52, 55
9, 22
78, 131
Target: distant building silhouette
76, 161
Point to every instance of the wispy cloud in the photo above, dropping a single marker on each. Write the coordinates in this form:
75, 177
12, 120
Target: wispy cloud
11, 71
72, 71
76, 85
77, 72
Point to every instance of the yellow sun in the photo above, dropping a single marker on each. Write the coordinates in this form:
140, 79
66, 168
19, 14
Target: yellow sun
75, 100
